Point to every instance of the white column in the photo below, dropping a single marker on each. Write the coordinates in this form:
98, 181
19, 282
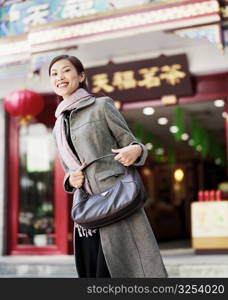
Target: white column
3, 199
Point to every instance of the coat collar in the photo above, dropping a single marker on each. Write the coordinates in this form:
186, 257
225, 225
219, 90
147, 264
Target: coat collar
86, 102
74, 101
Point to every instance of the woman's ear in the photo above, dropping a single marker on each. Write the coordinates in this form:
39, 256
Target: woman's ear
82, 77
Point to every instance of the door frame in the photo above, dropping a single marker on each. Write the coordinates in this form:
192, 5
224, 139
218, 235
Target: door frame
61, 202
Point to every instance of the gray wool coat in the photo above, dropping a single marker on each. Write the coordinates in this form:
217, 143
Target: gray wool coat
129, 246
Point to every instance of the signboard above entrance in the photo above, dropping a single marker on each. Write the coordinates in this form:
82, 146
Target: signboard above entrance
142, 80
16, 17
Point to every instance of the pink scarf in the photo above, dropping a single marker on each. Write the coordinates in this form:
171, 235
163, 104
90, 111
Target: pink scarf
64, 149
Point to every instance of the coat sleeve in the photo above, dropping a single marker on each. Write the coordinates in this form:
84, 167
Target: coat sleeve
120, 130
66, 185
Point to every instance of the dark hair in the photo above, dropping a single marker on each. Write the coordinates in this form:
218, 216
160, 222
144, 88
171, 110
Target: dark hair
78, 67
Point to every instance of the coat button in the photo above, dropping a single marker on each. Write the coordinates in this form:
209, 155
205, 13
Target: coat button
74, 137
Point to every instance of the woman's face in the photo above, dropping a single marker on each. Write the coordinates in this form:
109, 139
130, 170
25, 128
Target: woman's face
64, 78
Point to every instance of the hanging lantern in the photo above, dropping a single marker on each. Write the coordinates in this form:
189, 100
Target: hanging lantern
24, 104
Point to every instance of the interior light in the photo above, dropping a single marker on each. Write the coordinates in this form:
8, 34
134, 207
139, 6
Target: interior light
178, 175
146, 171
224, 114
148, 111
184, 136
218, 161
219, 103
162, 121
199, 148
149, 146
173, 129
159, 151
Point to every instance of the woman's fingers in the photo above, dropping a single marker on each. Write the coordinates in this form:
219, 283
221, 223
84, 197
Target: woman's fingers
76, 179
126, 161
122, 158
77, 174
127, 155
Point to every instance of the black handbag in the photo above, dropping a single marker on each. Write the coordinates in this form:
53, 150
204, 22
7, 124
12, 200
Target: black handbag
112, 205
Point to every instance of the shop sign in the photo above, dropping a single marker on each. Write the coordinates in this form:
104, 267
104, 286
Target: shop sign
139, 80
18, 17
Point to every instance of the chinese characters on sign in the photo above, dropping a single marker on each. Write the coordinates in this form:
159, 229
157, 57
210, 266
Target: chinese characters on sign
17, 16
151, 77
78, 8
36, 15
141, 80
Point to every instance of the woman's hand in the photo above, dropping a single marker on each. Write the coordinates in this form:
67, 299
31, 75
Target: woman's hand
127, 155
76, 178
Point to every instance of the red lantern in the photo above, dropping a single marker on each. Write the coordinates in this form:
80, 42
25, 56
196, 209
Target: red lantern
24, 104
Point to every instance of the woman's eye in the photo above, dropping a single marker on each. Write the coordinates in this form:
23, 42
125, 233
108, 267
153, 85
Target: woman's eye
67, 70
53, 74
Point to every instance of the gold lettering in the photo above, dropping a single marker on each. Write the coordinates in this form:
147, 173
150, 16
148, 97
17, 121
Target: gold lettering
149, 78
100, 82
124, 80
172, 74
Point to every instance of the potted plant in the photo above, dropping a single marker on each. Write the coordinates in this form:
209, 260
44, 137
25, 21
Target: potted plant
42, 226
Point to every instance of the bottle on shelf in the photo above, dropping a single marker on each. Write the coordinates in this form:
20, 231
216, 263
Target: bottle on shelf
212, 195
206, 195
218, 195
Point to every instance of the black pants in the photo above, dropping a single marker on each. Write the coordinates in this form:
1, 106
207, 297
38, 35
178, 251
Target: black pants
90, 261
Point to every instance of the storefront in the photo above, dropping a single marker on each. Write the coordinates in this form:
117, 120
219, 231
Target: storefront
181, 166
39, 210
179, 114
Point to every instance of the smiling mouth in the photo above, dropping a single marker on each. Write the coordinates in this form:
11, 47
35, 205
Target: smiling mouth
62, 85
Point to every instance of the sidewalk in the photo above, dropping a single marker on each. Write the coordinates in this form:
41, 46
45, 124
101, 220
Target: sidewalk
180, 261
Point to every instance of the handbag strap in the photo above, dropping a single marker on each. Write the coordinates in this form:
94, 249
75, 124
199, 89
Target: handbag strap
90, 163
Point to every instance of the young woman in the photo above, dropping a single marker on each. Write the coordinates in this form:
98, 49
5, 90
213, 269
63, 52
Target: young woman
87, 128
